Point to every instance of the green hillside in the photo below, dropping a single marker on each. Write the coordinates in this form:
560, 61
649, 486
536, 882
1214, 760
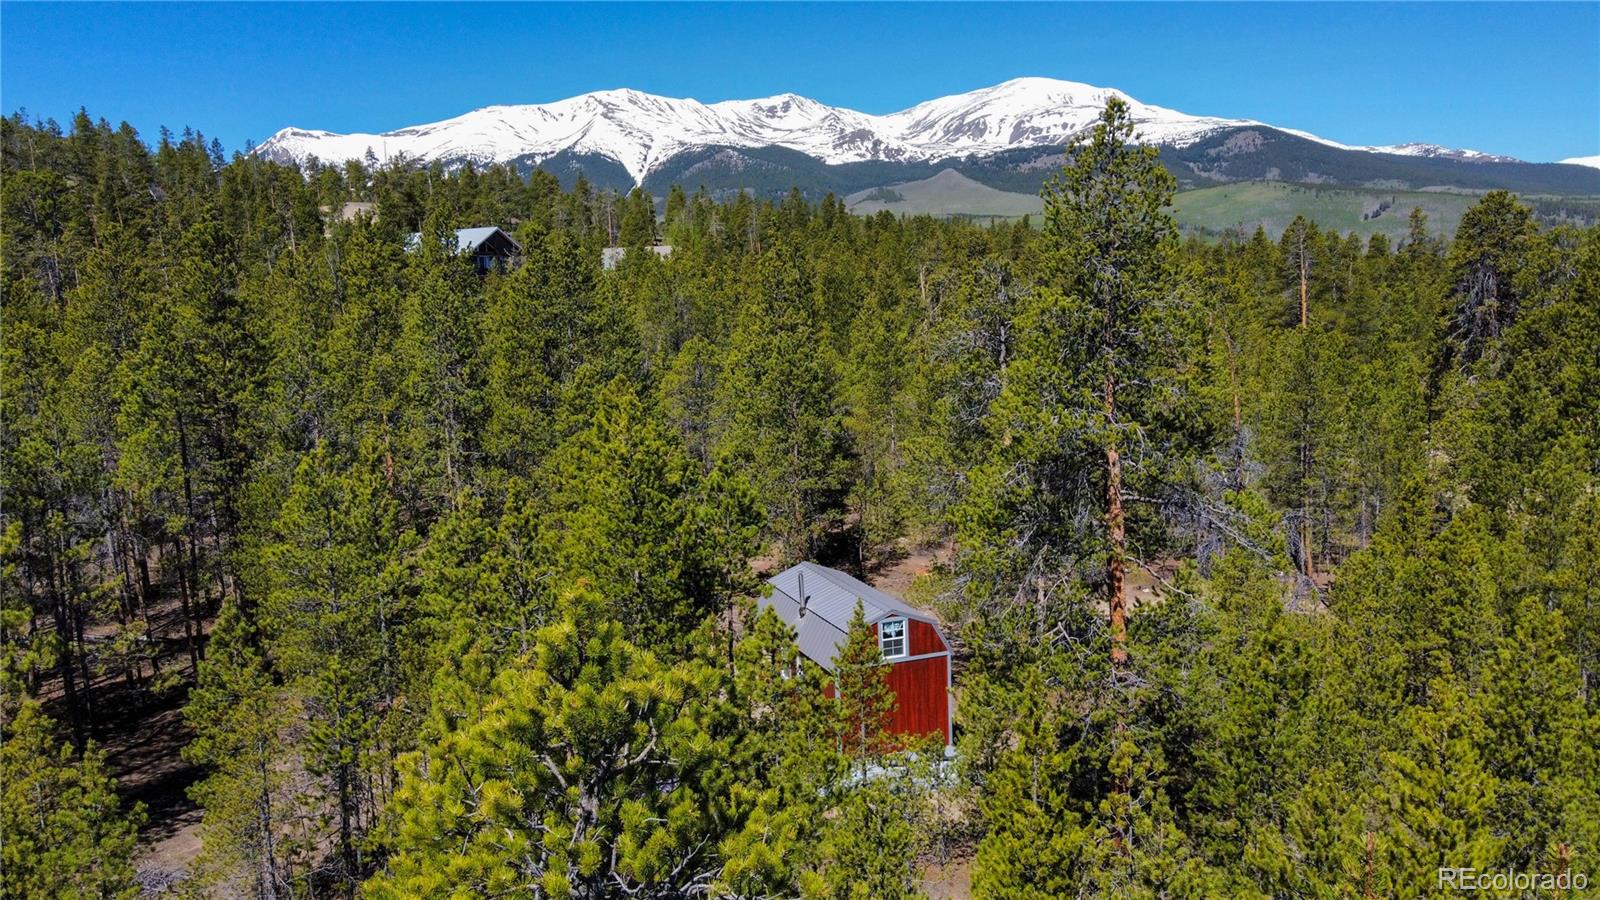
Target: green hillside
948, 193
1273, 205
1214, 210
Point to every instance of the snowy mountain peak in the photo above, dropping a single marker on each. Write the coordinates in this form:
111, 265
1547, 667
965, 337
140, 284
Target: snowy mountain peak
1438, 152
642, 131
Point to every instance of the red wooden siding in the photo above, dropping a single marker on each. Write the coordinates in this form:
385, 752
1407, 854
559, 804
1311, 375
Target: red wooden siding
921, 690
921, 686
924, 638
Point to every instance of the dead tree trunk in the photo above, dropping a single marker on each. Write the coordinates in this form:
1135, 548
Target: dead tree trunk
1305, 275
1116, 566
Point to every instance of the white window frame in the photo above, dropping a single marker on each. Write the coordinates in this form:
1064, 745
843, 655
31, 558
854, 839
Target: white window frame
904, 639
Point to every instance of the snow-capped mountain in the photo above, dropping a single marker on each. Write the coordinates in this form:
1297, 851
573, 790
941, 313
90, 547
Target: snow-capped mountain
1434, 151
1006, 137
1030, 112
641, 131
1592, 162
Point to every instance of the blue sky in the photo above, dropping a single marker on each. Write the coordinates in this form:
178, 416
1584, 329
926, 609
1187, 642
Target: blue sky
1522, 79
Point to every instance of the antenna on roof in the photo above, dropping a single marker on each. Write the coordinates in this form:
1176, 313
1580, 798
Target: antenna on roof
803, 597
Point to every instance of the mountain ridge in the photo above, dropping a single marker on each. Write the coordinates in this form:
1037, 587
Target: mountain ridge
1007, 138
643, 132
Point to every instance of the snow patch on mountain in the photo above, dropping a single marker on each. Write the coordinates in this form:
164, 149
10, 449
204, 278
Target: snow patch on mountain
1027, 112
1436, 151
1592, 162
641, 131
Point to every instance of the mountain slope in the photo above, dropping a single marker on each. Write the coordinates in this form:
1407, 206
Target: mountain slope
1239, 207
1008, 137
1269, 154
641, 131
945, 191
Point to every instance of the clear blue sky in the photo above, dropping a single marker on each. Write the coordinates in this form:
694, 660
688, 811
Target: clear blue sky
1522, 79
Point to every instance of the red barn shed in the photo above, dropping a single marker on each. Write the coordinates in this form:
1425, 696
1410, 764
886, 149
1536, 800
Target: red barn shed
818, 603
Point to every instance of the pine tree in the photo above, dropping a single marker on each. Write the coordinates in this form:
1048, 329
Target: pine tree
787, 759
1138, 849
483, 594
873, 389
1436, 796
1250, 720
364, 365
1301, 416
1537, 743
241, 720
65, 832
1486, 265
688, 397
586, 775
1301, 246
540, 324
335, 614
439, 352
638, 221
1324, 846
1106, 212
1097, 367
865, 701
1038, 836
628, 514
877, 820
776, 396
870, 844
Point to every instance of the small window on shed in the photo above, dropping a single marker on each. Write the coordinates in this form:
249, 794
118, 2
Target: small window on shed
892, 637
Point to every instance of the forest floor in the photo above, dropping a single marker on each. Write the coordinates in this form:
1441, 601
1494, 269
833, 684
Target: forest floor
896, 575
948, 881
1143, 585
143, 734
146, 757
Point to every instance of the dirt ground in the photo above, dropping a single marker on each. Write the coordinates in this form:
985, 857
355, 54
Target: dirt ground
895, 578
948, 881
143, 735
143, 750
1142, 585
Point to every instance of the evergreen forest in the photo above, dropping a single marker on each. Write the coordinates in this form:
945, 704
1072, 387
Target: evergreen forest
1271, 568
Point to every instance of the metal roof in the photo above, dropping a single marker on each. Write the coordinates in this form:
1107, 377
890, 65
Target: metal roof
831, 602
467, 239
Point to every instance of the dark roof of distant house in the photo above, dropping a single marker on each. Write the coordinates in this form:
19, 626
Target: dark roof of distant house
831, 602
467, 239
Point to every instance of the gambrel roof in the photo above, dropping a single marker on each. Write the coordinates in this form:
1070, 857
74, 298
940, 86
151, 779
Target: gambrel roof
831, 598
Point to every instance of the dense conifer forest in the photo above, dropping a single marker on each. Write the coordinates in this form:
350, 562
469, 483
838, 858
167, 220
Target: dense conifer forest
1272, 568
